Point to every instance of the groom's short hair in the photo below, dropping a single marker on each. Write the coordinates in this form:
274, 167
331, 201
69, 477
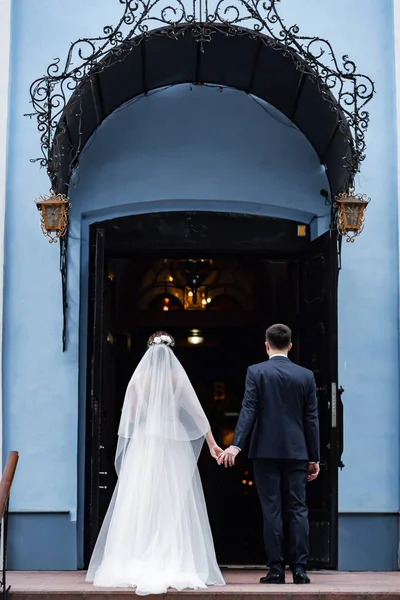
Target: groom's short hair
278, 336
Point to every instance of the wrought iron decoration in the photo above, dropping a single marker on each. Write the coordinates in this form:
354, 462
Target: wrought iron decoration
254, 18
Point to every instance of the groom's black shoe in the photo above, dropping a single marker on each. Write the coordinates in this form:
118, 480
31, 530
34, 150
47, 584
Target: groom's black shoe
273, 577
300, 577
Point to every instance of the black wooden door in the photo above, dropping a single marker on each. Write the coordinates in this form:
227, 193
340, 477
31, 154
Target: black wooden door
100, 427
95, 385
318, 282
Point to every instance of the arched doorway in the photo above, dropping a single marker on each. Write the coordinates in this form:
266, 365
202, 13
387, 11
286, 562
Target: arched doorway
259, 271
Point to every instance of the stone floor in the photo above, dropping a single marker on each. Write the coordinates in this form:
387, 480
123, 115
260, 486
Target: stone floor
325, 586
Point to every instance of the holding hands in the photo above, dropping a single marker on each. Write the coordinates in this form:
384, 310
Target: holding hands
225, 457
228, 456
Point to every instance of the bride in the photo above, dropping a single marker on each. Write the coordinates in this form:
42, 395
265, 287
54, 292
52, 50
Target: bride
156, 534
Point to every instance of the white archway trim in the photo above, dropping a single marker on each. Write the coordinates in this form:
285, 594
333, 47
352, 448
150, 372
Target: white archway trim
5, 28
396, 21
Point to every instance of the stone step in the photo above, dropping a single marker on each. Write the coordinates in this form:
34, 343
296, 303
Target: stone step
325, 585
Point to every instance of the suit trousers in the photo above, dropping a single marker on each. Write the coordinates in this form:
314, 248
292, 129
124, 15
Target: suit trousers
281, 487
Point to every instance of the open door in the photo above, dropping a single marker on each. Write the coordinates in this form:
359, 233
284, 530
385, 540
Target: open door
318, 281
100, 475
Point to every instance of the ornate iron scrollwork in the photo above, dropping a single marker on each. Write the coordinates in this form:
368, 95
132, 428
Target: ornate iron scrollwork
253, 18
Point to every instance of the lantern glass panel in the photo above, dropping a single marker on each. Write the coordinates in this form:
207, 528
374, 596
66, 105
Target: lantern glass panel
353, 213
53, 216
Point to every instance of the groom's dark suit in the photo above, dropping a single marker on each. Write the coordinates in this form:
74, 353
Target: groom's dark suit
280, 405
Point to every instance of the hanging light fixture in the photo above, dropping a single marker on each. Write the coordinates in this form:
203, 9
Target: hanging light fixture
350, 213
195, 338
195, 271
53, 210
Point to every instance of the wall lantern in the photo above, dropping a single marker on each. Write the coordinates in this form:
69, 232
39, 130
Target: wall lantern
53, 210
350, 212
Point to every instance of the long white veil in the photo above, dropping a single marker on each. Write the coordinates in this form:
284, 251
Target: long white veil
160, 401
156, 532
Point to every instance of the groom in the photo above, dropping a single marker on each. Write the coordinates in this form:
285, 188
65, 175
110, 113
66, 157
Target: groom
280, 405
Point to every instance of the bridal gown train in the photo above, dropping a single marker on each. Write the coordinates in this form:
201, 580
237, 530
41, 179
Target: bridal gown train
156, 534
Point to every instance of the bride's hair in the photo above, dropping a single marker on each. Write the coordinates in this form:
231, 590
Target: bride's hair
161, 337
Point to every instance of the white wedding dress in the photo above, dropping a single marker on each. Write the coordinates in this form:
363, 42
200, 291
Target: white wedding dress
156, 534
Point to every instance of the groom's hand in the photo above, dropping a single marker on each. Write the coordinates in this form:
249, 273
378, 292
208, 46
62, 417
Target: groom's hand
228, 457
313, 471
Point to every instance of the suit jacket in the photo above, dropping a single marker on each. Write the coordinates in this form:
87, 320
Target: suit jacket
280, 402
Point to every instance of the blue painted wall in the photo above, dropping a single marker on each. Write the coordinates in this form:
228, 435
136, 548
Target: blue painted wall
368, 542
138, 160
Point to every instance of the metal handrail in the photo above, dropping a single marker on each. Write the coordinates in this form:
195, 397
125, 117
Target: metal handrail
5, 488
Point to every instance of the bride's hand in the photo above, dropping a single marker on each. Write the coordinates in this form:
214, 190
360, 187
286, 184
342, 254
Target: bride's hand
216, 451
